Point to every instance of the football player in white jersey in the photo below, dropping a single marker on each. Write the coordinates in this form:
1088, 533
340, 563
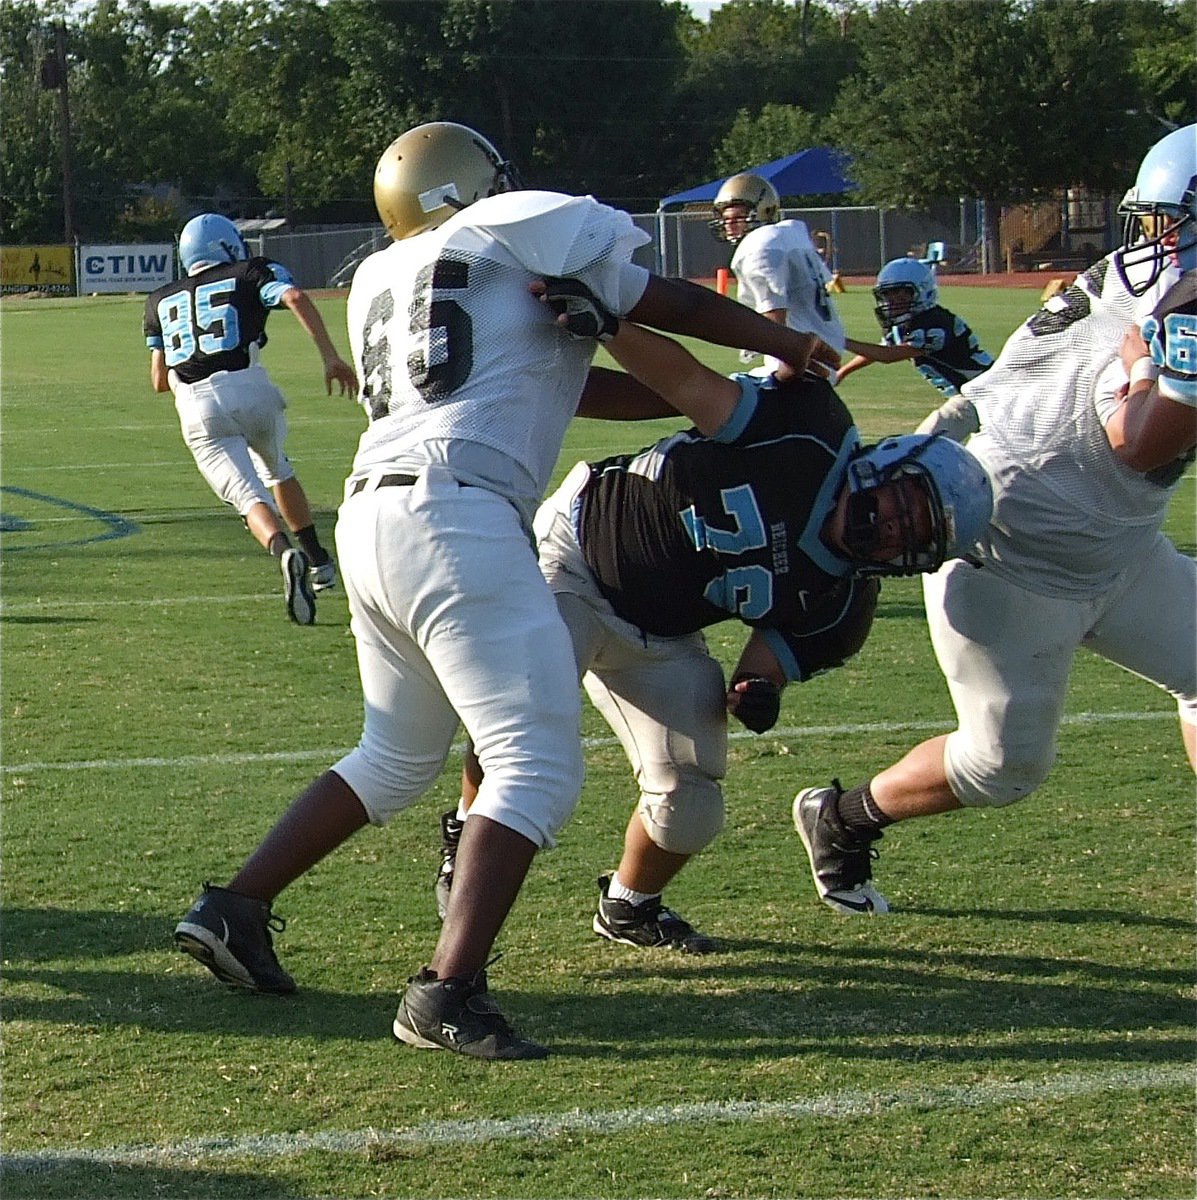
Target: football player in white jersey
469, 384
1085, 447
778, 271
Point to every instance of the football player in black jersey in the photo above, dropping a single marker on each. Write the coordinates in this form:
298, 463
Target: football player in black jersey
918, 329
778, 518
204, 333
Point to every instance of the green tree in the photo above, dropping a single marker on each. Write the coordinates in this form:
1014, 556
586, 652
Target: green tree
751, 55
30, 150
140, 117
777, 130
998, 99
572, 92
1159, 39
273, 74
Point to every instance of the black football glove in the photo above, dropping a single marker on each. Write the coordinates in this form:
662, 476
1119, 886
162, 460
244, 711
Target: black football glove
758, 705
585, 315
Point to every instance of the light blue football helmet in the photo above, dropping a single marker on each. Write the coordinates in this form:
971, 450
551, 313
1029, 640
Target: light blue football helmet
904, 286
959, 500
209, 239
1160, 212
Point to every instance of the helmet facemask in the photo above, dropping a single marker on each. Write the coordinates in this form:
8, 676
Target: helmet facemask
895, 305
911, 503
1154, 237
940, 506
1160, 211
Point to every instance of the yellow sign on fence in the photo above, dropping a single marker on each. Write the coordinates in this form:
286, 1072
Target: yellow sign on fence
37, 269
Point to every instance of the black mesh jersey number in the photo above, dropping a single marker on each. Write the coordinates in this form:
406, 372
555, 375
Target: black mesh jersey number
1069, 307
1073, 304
376, 356
444, 332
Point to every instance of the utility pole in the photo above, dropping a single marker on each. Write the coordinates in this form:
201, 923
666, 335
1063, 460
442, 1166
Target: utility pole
54, 78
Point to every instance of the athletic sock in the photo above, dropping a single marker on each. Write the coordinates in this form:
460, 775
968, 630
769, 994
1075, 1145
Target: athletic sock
859, 814
310, 543
617, 891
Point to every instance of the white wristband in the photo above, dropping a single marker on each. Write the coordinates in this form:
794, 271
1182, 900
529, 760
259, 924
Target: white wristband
1143, 369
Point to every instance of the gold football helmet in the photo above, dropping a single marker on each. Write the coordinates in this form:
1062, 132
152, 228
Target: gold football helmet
756, 195
432, 171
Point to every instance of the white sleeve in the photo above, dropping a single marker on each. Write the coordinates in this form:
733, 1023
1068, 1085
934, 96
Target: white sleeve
552, 234
573, 236
1106, 389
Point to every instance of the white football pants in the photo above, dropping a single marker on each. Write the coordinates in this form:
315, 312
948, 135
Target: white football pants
663, 697
1007, 652
452, 618
234, 425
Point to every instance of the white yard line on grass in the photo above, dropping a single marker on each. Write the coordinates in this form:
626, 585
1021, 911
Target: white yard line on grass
42, 607
543, 1126
332, 754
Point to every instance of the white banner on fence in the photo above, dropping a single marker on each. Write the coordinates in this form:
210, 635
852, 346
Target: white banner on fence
135, 268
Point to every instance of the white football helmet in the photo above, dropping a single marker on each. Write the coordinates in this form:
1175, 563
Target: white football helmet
210, 239
432, 171
1160, 212
755, 194
904, 286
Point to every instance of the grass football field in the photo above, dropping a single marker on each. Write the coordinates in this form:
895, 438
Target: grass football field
1022, 1025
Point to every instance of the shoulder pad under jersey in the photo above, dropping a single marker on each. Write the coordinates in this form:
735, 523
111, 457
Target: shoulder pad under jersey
553, 234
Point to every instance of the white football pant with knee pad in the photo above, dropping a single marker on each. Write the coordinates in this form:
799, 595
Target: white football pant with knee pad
1006, 653
233, 423
664, 698
452, 618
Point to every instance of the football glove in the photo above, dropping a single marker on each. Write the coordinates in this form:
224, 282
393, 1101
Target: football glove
756, 706
585, 315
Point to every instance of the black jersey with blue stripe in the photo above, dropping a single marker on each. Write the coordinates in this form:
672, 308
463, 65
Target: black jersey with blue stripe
949, 353
1171, 335
207, 322
696, 530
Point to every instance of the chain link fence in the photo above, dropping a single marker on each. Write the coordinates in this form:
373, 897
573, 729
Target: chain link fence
852, 240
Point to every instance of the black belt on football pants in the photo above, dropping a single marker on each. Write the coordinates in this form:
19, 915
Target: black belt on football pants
384, 481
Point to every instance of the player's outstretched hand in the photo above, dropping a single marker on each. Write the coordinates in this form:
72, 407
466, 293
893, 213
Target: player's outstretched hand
823, 360
337, 370
755, 702
579, 311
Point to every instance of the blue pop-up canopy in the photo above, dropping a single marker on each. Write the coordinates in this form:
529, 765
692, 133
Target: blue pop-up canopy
809, 172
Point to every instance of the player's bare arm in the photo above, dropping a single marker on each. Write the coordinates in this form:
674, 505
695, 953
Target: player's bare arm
669, 369
879, 351
617, 396
678, 306
336, 369
1148, 430
662, 365
159, 375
